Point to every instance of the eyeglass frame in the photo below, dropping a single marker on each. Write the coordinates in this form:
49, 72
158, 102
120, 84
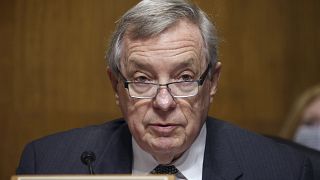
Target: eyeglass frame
200, 82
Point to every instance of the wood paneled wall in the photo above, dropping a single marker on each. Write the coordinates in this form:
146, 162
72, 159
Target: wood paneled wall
53, 71
270, 53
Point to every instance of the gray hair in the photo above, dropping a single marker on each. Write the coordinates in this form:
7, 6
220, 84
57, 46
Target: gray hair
150, 18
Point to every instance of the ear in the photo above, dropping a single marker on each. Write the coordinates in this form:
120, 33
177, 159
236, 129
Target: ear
214, 80
114, 82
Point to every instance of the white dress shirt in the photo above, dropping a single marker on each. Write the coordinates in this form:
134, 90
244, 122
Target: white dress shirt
189, 164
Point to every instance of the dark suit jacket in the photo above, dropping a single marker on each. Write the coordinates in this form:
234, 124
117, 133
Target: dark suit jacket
312, 154
230, 153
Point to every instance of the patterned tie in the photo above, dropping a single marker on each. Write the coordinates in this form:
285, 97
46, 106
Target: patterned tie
161, 169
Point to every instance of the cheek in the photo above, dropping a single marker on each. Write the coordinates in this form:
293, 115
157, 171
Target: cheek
195, 111
196, 106
134, 113
136, 127
202, 102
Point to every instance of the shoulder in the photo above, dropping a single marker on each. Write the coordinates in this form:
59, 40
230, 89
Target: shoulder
60, 152
247, 143
245, 140
252, 151
85, 134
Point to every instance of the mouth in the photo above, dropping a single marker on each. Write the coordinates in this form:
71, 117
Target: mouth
163, 129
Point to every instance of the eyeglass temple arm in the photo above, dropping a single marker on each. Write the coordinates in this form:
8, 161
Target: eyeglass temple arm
204, 75
125, 81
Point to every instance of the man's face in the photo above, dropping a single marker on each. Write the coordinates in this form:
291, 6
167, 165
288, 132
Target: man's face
165, 126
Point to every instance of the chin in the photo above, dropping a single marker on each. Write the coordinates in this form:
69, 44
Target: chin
165, 145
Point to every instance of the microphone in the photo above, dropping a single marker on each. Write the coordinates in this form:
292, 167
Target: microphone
87, 158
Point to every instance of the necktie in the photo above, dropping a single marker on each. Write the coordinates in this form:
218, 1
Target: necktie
161, 169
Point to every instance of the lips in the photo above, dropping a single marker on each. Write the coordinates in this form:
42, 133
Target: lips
163, 129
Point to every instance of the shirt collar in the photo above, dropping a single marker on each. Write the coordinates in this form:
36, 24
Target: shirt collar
189, 164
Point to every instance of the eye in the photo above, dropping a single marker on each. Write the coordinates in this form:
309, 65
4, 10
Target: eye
186, 77
142, 79
313, 121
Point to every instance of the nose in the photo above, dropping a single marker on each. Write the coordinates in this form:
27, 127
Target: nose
164, 100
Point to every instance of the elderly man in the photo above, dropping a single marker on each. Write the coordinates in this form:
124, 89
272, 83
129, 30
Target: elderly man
164, 71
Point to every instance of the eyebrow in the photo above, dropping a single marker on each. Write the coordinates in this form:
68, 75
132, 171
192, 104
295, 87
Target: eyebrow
186, 63
138, 64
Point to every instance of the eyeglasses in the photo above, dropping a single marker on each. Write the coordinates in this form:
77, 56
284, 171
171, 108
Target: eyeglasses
178, 89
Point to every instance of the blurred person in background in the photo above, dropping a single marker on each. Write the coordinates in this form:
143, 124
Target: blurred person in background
303, 123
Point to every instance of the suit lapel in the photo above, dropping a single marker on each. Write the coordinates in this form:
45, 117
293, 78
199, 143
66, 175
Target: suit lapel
219, 159
117, 155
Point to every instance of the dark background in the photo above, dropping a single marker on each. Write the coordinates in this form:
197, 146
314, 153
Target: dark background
53, 78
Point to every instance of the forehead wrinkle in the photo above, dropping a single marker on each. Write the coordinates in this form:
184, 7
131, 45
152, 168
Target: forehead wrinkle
171, 50
150, 51
187, 56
